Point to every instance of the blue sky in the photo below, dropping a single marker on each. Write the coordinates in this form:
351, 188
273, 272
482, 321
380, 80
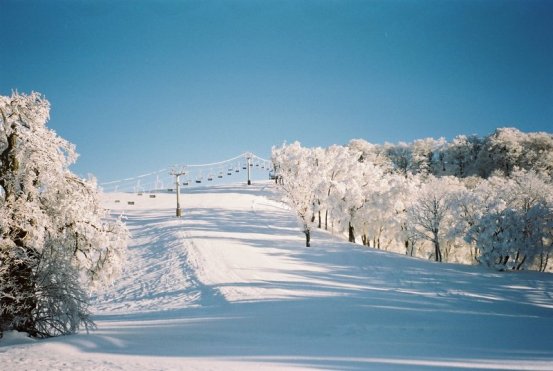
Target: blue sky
141, 85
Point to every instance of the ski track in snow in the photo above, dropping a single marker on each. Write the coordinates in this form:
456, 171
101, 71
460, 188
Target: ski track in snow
231, 286
158, 276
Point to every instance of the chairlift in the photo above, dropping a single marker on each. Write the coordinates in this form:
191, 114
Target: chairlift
185, 183
220, 175
198, 181
210, 178
229, 173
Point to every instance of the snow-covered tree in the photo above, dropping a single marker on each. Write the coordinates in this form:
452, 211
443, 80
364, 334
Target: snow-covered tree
469, 204
400, 156
422, 153
349, 195
56, 242
503, 151
373, 153
331, 172
429, 216
460, 155
538, 153
515, 231
381, 219
297, 179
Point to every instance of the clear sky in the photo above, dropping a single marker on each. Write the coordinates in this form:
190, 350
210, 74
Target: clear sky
141, 85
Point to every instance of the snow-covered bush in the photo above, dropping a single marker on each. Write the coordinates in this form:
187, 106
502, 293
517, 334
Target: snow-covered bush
56, 241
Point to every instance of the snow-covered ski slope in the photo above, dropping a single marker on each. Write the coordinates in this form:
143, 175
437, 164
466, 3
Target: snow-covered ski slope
230, 286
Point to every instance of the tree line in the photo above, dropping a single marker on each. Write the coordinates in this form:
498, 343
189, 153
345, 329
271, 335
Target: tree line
474, 200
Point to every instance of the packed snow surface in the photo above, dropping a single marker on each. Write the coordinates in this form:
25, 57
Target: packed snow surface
231, 286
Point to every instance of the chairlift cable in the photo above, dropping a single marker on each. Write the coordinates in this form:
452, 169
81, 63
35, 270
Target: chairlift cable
119, 182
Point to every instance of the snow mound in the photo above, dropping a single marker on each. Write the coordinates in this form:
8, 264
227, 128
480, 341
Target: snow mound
15, 338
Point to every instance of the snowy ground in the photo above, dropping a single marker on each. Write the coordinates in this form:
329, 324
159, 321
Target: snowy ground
231, 286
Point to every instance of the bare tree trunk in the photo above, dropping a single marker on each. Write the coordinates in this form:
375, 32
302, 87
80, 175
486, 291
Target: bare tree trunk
437, 251
351, 233
9, 165
20, 294
544, 259
519, 265
307, 233
410, 248
319, 226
